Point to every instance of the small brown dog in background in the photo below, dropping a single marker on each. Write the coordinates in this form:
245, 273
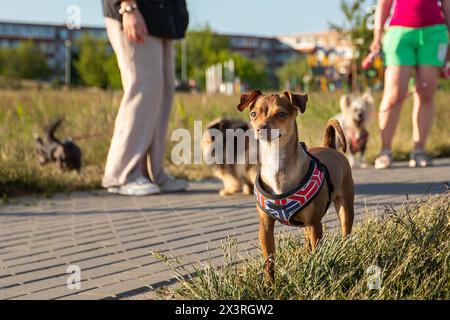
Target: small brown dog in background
356, 113
285, 164
240, 174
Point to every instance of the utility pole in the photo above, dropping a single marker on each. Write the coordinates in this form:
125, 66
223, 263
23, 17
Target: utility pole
68, 62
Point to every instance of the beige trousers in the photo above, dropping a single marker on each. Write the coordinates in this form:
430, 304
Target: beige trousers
139, 139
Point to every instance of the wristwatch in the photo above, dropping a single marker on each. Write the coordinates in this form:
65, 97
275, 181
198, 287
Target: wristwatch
128, 8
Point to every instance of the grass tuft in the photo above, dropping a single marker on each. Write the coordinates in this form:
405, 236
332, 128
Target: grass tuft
409, 249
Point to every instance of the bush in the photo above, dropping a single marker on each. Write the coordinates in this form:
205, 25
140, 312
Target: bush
24, 62
96, 65
292, 72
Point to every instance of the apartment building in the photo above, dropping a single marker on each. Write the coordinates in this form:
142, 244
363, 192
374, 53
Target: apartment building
275, 51
308, 42
52, 39
270, 49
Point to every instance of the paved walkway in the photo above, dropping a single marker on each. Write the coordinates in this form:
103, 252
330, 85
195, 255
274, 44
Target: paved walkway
109, 237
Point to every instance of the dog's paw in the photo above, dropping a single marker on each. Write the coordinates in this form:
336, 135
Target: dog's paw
247, 190
224, 193
364, 165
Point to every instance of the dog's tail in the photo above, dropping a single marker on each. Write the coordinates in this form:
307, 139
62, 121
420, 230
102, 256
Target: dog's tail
329, 137
50, 130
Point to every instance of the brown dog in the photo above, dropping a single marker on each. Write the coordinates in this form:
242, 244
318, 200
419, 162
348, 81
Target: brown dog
291, 177
240, 174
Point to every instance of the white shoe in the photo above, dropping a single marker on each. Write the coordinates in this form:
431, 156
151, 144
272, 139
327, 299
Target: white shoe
174, 185
139, 187
113, 190
384, 160
418, 158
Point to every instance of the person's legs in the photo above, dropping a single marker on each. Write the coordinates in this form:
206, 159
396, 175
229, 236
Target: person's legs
431, 57
142, 75
155, 162
395, 91
422, 116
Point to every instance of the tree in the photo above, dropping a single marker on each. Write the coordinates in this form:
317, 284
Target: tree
356, 15
251, 72
27, 61
205, 48
293, 71
92, 61
113, 72
2, 61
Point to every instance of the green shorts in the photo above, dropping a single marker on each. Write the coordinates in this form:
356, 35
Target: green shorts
404, 46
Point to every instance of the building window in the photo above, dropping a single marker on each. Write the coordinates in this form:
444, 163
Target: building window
25, 31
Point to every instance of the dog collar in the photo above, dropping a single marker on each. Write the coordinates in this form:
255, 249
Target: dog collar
284, 207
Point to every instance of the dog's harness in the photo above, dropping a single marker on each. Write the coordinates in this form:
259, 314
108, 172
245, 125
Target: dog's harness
285, 207
358, 144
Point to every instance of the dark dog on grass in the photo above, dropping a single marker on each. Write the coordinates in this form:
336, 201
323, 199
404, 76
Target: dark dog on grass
65, 153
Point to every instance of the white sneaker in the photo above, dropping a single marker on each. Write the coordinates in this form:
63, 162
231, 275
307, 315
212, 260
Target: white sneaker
113, 190
384, 160
139, 187
174, 185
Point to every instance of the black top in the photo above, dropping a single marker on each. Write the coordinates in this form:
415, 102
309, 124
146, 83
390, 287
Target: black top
164, 18
111, 9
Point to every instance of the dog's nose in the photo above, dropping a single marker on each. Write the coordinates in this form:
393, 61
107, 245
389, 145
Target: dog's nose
263, 127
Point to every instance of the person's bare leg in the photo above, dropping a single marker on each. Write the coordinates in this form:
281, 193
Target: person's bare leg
423, 111
396, 80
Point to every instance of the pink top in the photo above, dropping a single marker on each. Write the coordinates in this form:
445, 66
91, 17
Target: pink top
417, 13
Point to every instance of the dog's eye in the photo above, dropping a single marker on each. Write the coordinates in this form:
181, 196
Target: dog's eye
253, 114
281, 114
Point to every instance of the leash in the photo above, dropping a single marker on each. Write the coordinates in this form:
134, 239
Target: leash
88, 136
408, 95
376, 113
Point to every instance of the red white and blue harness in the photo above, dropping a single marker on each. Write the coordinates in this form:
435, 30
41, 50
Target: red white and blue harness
285, 207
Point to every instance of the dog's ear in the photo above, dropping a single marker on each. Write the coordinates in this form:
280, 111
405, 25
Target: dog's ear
248, 98
298, 101
39, 141
345, 103
367, 96
214, 124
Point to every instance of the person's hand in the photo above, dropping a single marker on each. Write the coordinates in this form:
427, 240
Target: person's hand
134, 26
375, 46
445, 71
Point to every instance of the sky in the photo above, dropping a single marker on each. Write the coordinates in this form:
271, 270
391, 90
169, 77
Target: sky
255, 17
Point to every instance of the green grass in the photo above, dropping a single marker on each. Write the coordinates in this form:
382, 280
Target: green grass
90, 115
410, 246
